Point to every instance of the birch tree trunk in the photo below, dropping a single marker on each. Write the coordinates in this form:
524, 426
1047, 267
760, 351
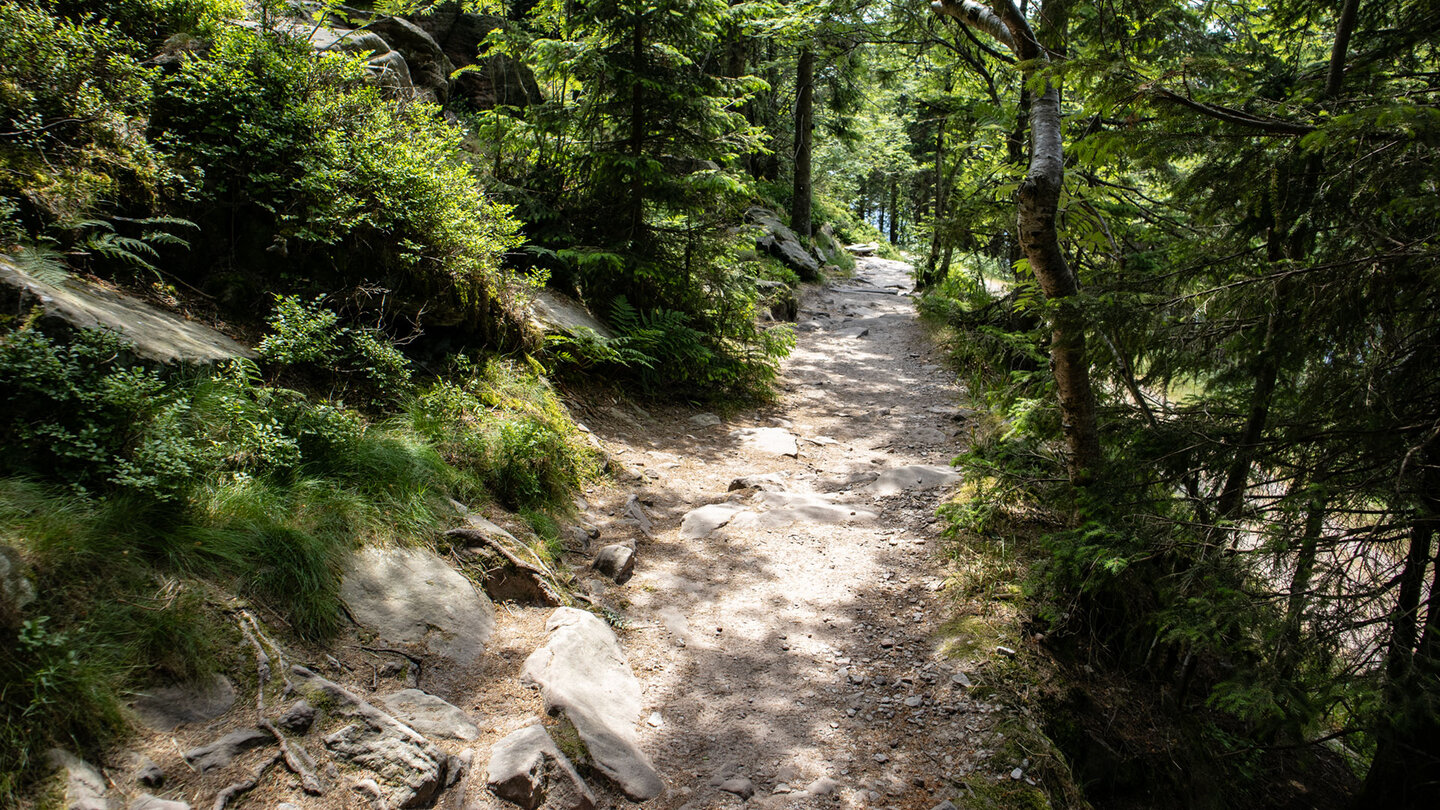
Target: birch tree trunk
1039, 200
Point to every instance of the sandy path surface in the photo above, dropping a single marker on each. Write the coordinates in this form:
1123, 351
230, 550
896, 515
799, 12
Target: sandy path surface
786, 633
788, 653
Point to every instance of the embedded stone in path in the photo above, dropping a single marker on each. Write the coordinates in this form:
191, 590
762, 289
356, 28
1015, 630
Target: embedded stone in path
430, 715
527, 768
770, 441
223, 751
583, 676
785, 508
164, 708
414, 599
409, 770
912, 478
705, 420
702, 522
770, 482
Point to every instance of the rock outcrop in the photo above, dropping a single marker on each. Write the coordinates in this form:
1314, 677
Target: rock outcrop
428, 65
779, 241
497, 80
415, 600
152, 334
584, 678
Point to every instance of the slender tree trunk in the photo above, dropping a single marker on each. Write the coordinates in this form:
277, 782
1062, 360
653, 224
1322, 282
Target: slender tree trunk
930, 277
637, 128
804, 114
1039, 200
894, 210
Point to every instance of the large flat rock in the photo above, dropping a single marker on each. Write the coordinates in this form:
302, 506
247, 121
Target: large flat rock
770, 441
153, 334
583, 675
784, 509
703, 521
430, 715
913, 478
412, 598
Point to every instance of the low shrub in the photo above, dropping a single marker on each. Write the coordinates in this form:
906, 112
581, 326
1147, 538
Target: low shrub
304, 155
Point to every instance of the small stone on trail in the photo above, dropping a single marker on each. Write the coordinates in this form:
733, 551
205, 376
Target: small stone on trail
1005, 651
705, 420
740, 786
945, 805
823, 786
616, 561
430, 715
1017, 774
145, 771
881, 758
655, 720
913, 701
961, 679
887, 643
298, 718
781, 789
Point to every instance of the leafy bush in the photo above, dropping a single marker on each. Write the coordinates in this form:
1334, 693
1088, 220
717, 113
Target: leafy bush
71, 410
505, 425
71, 98
152, 21
306, 336
311, 156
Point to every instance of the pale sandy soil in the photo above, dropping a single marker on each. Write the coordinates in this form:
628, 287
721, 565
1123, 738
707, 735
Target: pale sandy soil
782, 654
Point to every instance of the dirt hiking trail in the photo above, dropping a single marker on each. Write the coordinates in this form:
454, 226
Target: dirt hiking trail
784, 630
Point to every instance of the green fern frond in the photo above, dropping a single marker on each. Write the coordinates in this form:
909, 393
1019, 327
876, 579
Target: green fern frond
42, 264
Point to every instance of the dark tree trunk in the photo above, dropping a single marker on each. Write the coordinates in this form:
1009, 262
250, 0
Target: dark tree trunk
637, 129
930, 276
804, 114
1405, 771
894, 210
